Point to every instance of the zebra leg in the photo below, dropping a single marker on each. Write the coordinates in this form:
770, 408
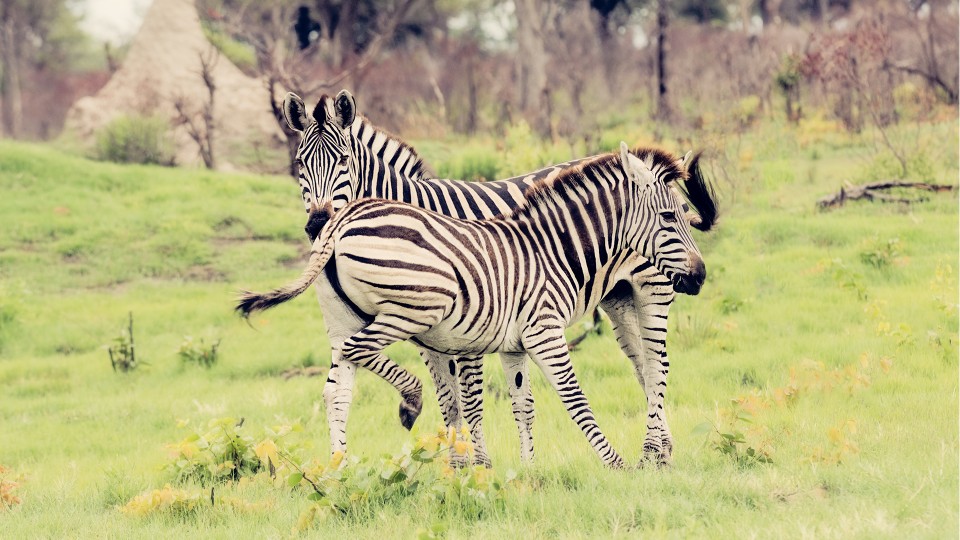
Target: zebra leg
341, 323
443, 370
624, 318
471, 392
653, 296
337, 395
365, 350
654, 300
516, 368
547, 346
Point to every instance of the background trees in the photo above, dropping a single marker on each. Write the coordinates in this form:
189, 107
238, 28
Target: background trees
563, 67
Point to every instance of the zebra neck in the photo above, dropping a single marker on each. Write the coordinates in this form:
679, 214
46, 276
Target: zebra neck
580, 226
387, 165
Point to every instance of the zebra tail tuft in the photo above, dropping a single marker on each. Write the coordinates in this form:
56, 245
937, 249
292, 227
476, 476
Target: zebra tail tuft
701, 195
250, 302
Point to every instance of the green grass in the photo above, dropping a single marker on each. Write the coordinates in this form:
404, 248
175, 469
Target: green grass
84, 243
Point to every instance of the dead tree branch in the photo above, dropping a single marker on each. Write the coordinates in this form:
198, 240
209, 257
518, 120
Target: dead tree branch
201, 130
873, 192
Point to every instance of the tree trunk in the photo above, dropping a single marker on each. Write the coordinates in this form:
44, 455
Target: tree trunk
471, 92
663, 101
10, 81
532, 57
344, 49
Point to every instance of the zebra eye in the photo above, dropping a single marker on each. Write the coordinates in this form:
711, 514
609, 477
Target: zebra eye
343, 159
669, 217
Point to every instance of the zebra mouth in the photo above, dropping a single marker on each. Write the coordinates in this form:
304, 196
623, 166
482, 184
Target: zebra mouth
687, 283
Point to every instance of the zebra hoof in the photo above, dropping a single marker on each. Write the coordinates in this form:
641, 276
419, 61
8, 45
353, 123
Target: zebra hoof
483, 460
654, 459
409, 412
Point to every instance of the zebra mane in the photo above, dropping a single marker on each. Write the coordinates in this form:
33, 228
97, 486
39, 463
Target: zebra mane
664, 165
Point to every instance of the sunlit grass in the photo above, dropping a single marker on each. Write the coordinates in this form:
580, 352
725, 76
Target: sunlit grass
82, 244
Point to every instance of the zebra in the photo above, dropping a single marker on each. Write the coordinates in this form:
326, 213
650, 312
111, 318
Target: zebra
509, 283
384, 166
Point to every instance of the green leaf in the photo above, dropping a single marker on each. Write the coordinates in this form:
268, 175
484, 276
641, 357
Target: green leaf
294, 479
316, 497
702, 428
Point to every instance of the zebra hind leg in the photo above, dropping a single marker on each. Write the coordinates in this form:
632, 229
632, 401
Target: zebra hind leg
364, 349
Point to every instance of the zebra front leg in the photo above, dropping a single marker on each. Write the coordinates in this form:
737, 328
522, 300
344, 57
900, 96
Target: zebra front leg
516, 368
364, 349
620, 306
653, 298
471, 392
654, 312
443, 370
548, 348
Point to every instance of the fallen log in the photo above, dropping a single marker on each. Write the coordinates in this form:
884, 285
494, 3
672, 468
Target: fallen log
872, 192
310, 371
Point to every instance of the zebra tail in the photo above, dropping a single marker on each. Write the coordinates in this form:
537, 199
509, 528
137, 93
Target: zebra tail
250, 302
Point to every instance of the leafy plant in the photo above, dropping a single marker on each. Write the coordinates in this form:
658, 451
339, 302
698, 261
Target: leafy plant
9, 483
198, 353
361, 486
847, 278
123, 357
840, 444
185, 502
880, 254
736, 437
223, 452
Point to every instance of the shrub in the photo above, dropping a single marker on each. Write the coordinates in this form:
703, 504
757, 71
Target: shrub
879, 253
136, 139
9, 483
224, 452
123, 356
198, 353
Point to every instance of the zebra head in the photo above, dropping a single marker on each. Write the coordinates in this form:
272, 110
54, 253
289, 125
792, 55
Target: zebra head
325, 161
661, 233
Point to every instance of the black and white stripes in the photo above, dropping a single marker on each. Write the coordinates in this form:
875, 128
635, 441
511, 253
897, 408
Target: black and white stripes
474, 287
382, 166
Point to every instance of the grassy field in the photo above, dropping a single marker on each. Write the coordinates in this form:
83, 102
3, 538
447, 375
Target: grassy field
832, 335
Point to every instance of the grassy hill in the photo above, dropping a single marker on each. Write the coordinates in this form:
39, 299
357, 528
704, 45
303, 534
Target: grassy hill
832, 335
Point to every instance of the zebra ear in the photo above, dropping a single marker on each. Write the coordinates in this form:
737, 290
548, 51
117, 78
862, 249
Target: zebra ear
346, 109
294, 112
635, 168
625, 157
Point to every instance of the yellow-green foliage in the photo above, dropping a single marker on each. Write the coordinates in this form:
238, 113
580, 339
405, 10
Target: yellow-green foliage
9, 482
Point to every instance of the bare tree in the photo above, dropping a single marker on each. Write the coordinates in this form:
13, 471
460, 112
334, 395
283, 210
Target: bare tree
936, 63
201, 129
532, 16
323, 65
10, 39
663, 21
